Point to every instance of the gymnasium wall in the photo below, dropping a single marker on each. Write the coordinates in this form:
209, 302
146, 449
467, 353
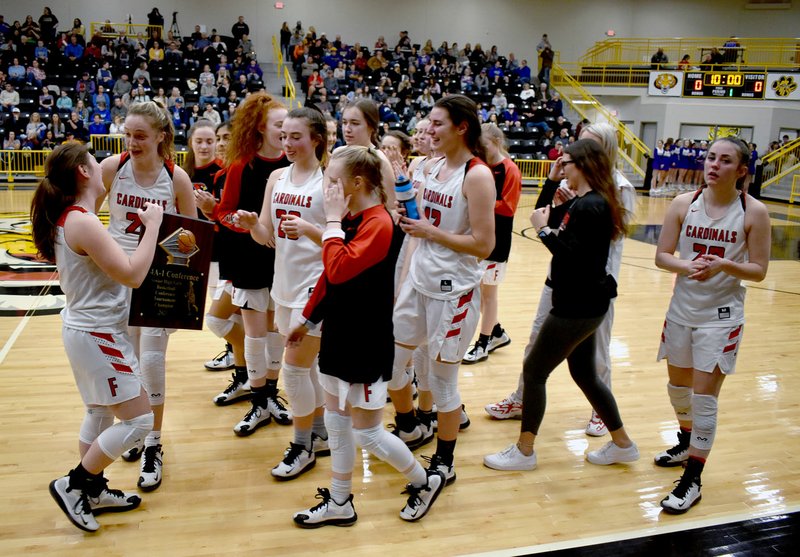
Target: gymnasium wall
513, 25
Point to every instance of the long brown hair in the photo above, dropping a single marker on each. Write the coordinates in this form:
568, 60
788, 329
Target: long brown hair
369, 110
57, 191
189, 164
246, 138
593, 162
744, 155
317, 129
463, 109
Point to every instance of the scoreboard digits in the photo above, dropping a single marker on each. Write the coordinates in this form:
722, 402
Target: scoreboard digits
724, 84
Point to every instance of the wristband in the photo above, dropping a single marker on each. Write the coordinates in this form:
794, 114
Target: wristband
543, 232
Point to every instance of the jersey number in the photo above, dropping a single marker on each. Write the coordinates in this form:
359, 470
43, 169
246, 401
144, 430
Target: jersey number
702, 249
279, 214
136, 223
433, 215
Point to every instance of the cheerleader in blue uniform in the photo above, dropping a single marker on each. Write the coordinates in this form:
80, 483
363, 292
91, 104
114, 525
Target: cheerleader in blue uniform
699, 163
672, 147
685, 165
660, 167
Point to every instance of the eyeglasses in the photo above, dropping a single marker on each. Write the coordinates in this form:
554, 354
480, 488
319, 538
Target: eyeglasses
565, 163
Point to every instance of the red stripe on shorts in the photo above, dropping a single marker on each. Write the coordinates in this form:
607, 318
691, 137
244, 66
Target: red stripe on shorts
104, 336
735, 333
121, 367
453, 333
465, 299
460, 317
730, 348
113, 352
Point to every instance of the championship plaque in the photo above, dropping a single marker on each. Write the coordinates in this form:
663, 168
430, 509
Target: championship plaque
173, 295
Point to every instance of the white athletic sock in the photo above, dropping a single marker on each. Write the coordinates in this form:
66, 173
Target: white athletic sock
341, 490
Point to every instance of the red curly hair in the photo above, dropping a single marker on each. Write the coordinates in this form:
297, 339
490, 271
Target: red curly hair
246, 137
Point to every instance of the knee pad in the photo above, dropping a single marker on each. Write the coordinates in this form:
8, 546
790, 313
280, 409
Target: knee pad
422, 367
400, 375
297, 381
275, 347
681, 399
96, 421
444, 386
153, 376
236, 318
340, 442
704, 422
387, 447
125, 434
255, 357
319, 392
220, 327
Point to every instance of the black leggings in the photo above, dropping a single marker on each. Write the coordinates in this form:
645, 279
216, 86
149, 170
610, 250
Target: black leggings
573, 340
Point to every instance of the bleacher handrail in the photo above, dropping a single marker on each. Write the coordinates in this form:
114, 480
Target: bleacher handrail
277, 55
631, 149
780, 163
795, 188
22, 161
131, 29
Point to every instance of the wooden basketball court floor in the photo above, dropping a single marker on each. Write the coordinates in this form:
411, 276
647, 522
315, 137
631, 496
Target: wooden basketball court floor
218, 497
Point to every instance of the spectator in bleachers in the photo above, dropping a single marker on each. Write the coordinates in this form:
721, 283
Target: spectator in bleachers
203, 43
64, 102
122, 86
685, 63
658, 59
377, 62
101, 95
387, 114
555, 107
118, 109
57, 127
499, 101
523, 73
323, 104
142, 73
31, 29
41, 52
191, 57
244, 43
240, 28
178, 115
253, 71
85, 88
98, 127
47, 25
74, 50
527, 93
313, 82
482, 82
210, 113
496, 72
46, 101
160, 96
117, 126
16, 73
140, 95
35, 129
75, 127
11, 143
16, 123
426, 100
49, 142
510, 114
563, 125
83, 111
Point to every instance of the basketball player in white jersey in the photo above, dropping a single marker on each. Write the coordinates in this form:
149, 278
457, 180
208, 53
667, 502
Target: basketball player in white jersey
723, 236
292, 219
145, 173
94, 273
439, 304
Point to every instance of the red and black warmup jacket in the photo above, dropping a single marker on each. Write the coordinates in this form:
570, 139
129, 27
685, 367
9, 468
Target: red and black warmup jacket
508, 188
355, 298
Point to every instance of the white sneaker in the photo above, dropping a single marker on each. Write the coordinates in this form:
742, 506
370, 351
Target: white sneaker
510, 458
237, 389
677, 455
320, 445
74, 503
596, 427
296, 460
683, 497
276, 405
421, 498
326, 513
254, 419
113, 501
222, 361
435, 463
506, 409
464, 420
152, 463
477, 353
611, 453
134, 453
415, 438
499, 342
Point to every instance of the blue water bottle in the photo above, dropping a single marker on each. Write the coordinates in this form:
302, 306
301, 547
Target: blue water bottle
407, 196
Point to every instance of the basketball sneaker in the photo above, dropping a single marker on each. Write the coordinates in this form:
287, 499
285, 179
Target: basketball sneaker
415, 438
327, 513
506, 409
75, 504
256, 417
685, 495
276, 405
510, 458
296, 460
238, 389
676, 455
596, 427
435, 463
421, 498
320, 445
611, 453
222, 361
134, 453
152, 462
111, 500
498, 340
478, 353
464, 423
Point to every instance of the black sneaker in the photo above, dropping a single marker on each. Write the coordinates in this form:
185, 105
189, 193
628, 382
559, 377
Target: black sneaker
296, 460
152, 462
421, 498
222, 361
134, 453
498, 341
106, 500
685, 495
238, 389
676, 455
256, 417
276, 405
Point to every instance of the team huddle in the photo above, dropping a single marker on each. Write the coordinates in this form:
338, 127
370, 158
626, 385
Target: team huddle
311, 243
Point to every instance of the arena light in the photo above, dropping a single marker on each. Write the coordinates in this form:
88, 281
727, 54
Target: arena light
611, 33
278, 5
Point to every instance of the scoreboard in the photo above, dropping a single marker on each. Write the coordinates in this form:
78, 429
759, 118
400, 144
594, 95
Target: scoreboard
724, 85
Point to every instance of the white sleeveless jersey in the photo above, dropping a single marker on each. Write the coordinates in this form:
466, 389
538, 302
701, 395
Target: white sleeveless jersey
718, 301
298, 262
126, 196
438, 271
95, 302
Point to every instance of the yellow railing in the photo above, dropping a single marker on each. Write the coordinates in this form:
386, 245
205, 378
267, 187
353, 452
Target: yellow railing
290, 91
778, 52
780, 163
113, 30
22, 162
631, 149
534, 170
113, 143
277, 54
795, 188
